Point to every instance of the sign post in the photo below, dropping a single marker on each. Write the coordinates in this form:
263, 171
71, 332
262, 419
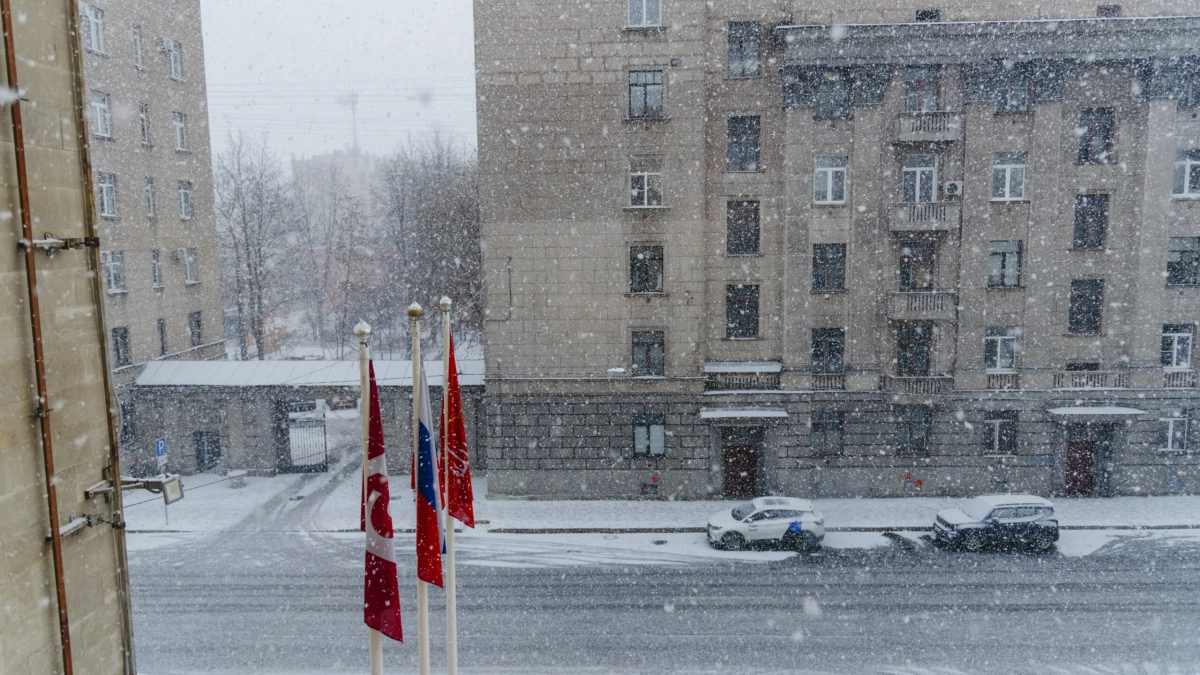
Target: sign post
160, 454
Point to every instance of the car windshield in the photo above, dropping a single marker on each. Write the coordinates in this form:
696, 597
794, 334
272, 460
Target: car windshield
740, 512
977, 508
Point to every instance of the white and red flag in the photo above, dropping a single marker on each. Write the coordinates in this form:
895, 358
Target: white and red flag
460, 501
381, 602
431, 537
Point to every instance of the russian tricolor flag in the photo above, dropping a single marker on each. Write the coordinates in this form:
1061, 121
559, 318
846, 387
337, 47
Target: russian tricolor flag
431, 537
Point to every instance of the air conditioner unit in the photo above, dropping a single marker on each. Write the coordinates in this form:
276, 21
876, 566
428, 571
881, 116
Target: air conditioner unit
952, 188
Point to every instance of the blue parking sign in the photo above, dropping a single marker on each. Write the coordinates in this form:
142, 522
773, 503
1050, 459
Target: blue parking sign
160, 451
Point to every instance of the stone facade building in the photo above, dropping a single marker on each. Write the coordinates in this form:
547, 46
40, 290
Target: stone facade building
748, 247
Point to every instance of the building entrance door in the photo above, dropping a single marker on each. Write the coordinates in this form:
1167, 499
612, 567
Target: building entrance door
1081, 468
742, 447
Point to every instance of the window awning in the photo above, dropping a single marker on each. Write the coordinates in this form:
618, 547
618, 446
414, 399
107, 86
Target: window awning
730, 413
743, 367
1096, 410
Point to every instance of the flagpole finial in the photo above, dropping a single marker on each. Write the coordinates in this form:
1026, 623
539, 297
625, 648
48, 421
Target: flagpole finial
415, 311
445, 302
362, 331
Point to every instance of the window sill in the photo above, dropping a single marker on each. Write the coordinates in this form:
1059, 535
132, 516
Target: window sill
1012, 111
647, 377
741, 339
1089, 249
743, 255
191, 283
830, 204
762, 170
647, 294
102, 137
118, 291
1005, 288
1001, 371
1177, 451
660, 118
743, 77
183, 151
110, 216
833, 118
1002, 455
647, 208
826, 291
1086, 335
158, 287
996, 200
1185, 198
1182, 286
644, 29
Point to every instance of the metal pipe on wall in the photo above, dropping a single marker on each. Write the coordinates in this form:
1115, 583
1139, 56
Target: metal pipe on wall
39, 356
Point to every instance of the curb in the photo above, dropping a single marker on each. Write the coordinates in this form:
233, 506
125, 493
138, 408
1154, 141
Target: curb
664, 530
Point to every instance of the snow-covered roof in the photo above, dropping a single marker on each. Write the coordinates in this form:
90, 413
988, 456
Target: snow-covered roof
296, 373
1096, 410
1012, 500
724, 413
743, 367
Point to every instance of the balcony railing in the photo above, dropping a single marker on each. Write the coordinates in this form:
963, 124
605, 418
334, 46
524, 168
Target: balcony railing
729, 381
1091, 379
924, 216
1003, 380
932, 126
829, 381
1175, 379
923, 306
921, 385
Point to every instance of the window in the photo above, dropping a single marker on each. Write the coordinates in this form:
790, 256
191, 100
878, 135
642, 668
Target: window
1004, 264
833, 95
1177, 346
1108, 11
744, 44
113, 264
827, 347
1087, 300
914, 344
742, 228
1189, 94
185, 200
1013, 93
645, 94
921, 88
1091, 220
1187, 173
1183, 258
180, 122
162, 337
137, 46
107, 194
829, 267
91, 25
929, 15
144, 122
120, 339
826, 433
194, 331
1172, 431
128, 421
644, 13
649, 435
645, 269
648, 350
1000, 348
1000, 433
829, 180
912, 431
1008, 176
1095, 136
101, 115
920, 178
156, 268
189, 266
645, 183
174, 52
149, 196
742, 147
916, 266
741, 311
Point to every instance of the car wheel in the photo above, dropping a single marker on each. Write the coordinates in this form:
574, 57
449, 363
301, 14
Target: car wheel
732, 541
1043, 543
973, 542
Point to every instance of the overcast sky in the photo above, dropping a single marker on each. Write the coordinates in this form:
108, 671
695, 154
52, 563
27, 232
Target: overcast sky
288, 67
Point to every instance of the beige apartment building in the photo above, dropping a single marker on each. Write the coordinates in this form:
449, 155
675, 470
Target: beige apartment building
152, 171
744, 247
64, 589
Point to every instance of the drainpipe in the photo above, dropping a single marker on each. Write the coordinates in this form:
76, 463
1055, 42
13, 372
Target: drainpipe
35, 320
117, 517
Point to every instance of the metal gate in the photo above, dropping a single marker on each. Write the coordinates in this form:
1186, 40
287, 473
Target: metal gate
301, 442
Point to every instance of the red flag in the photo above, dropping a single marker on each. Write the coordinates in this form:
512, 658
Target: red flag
460, 501
381, 606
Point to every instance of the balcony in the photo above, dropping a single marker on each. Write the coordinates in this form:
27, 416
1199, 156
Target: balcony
1176, 379
1091, 379
924, 217
919, 385
923, 306
930, 127
829, 381
1003, 381
727, 376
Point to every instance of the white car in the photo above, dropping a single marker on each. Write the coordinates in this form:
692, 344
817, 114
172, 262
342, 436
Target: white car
792, 523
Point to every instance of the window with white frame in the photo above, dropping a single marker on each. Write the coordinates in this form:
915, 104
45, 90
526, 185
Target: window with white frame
180, 122
149, 196
1176, 352
1008, 176
156, 268
645, 182
106, 193
91, 27
1183, 261
1173, 431
101, 114
189, 266
112, 264
1187, 173
137, 46
645, 13
185, 200
1000, 348
1000, 433
144, 122
829, 181
174, 52
649, 435
920, 178
1004, 264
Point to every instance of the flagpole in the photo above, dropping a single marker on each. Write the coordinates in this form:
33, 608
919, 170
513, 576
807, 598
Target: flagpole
414, 314
451, 590
363, 332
